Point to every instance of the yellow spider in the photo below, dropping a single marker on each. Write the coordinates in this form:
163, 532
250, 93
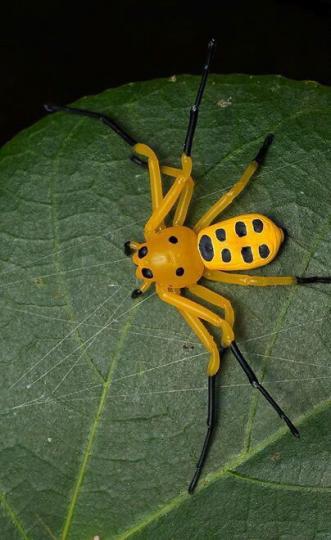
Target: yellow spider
177, 257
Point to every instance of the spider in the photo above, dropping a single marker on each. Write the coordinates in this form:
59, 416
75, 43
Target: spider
175, 258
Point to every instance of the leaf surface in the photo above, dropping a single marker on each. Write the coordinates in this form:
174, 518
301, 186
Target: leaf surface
103, 399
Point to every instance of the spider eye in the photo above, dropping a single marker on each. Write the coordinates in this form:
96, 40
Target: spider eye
173, 239
179, 271
142, 252
147, 273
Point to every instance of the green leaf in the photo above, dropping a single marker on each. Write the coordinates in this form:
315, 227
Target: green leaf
103, 399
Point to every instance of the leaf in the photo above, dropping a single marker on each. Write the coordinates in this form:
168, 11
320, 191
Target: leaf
103, 400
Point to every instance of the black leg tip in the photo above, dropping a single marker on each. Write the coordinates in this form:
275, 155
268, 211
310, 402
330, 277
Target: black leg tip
136, 293
260, 156
295, 432
313, 279
269, 139
193, 484
127, 249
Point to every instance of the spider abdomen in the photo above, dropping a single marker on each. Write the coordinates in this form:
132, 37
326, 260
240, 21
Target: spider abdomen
240, 243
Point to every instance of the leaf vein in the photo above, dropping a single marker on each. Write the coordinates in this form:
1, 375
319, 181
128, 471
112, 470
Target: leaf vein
12, 516
279, 485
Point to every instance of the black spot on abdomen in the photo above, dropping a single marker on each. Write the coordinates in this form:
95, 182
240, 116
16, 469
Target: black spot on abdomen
206, 248
257, 225
240, 228
226, 255
246, 253
220, 234
264, 251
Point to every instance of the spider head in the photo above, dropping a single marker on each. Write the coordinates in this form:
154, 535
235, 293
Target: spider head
170, 258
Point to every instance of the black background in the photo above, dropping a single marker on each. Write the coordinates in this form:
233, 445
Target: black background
58, 52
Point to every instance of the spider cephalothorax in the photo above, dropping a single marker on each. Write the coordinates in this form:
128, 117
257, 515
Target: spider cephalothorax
174, 258
170, 258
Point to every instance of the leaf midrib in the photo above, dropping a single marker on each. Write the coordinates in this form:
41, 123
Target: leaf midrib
93, 431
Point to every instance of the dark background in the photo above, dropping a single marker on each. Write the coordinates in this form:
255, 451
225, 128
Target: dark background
58, 52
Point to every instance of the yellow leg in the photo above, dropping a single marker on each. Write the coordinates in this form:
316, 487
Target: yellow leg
198, 311
145, 286
170, 198
154, 175
171, 171
244, 279
184, 203
216, 299
206, 339
133, 245
156, 184
185, 197
227, 198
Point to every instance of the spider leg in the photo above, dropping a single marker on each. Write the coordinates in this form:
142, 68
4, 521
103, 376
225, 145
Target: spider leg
105, 119
246, 279
197, 311
228, 197
194, 112
185, 192
313, 279
211, 423
154, 174
184, 203
130, 247
170, 199
142, 289
156, 185
208, 341
152, 163
256, 384
185, 197
262, 281
215, 299
182, 188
